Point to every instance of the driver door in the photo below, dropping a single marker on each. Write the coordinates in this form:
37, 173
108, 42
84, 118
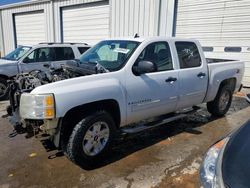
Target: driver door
153, 94
38, 59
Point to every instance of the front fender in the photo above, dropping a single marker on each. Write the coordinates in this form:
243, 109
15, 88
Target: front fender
9, 70
94, 91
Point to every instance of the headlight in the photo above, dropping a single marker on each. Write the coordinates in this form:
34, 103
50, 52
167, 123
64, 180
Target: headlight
37, 106
209, 169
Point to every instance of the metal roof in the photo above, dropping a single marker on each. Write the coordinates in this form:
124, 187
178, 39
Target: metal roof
23, 4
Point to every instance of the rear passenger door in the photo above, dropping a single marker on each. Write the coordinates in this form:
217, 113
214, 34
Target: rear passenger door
193, 75
62, 55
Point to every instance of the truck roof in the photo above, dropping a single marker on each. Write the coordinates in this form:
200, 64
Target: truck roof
141, 39
55, 44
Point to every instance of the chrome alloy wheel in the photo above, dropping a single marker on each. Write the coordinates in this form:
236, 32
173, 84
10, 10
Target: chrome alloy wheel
224, 100
96, 138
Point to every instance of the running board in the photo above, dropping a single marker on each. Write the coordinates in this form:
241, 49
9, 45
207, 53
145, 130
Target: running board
159, 122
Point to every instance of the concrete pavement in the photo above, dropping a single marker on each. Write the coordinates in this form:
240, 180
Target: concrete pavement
167, 156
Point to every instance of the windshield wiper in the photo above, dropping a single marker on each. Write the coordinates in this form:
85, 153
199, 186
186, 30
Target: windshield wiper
100, 68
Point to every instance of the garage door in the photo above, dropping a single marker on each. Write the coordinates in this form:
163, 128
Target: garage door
30, 28
222, 26
88, 23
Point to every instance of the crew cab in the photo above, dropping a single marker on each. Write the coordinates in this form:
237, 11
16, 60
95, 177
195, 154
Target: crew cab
141, 79
37, 57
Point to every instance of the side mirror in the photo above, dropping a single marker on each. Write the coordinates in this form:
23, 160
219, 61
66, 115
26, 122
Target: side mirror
144, 67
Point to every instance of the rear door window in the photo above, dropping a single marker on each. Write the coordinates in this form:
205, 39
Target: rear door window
63, 53
188, 55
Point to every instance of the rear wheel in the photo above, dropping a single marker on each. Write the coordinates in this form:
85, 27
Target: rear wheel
222, 102
91, 138
3, 89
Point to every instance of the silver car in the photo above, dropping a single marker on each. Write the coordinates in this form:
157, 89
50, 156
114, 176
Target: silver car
38, 57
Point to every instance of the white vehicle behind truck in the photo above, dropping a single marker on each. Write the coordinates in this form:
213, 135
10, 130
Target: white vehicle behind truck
142, 78
36, 58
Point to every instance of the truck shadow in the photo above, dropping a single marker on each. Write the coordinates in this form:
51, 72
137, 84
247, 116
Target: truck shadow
130, 143
126, 144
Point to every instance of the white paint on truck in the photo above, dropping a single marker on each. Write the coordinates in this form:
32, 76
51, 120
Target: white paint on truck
144, 78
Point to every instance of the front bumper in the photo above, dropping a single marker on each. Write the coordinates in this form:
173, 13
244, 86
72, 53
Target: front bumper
49, 128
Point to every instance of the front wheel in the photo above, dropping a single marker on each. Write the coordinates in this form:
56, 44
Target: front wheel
222, 102
91, 139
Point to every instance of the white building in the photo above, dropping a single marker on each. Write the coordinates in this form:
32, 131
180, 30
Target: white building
222, 26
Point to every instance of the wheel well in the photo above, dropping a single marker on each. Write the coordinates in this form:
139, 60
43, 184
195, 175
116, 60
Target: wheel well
4, 77
231, 82
74, 115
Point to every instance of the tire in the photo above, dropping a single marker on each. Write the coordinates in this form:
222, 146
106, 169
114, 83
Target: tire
3, 89
222, 102
87, 148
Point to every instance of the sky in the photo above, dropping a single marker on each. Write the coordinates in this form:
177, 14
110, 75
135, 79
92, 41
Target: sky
5, 2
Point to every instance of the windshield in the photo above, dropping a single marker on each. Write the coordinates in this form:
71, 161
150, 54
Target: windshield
17, 53
111, 54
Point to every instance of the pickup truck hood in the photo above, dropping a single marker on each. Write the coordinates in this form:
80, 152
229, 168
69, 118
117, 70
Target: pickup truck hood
75, 84
85, 89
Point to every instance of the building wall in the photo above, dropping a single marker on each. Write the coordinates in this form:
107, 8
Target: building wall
57, 6
1, 37
166, 18
127, 17
134, 16
8, 25
145, 17
217, 24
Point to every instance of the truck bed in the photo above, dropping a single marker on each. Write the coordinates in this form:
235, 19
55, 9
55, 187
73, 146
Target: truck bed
215, 60
221, 69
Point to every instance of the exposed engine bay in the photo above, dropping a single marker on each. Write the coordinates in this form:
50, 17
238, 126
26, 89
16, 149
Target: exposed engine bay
26, 82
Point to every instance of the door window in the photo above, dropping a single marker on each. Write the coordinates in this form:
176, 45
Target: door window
39, 55
158, 53
188, 55
63, 53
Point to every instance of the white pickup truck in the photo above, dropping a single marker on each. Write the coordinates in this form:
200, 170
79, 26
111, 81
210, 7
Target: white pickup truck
136, 79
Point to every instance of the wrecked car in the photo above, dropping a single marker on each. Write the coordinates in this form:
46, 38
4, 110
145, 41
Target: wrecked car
26, 82
38, 57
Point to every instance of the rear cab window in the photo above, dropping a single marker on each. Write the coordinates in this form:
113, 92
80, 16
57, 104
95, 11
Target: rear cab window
188, 54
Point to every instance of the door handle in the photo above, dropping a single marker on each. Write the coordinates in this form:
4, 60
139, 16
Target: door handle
201, 75
171, 80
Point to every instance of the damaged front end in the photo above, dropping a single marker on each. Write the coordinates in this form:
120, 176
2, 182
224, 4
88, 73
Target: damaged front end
24, 83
